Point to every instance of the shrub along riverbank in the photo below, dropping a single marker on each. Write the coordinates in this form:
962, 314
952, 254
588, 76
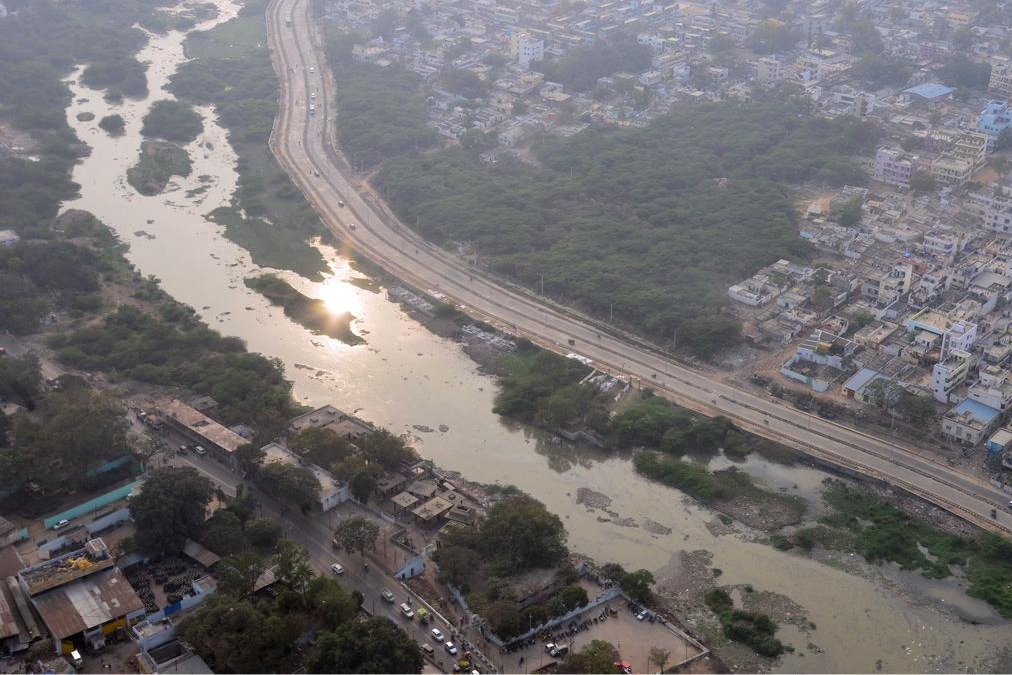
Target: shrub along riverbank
230, 67
309, 312
159, 161
876, 529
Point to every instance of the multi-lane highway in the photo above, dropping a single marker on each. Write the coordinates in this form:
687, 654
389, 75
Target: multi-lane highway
304, 141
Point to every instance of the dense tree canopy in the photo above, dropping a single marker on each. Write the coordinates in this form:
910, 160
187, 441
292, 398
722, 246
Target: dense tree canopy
71, 433
172, 120
296, 484
170, 509
376, 645
356, 534
581, 67
184, 352
638, 221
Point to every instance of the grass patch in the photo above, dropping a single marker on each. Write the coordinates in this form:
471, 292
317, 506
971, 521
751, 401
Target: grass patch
882, 532
309, 312
173, 121
85, 116
867, 524
159, 162
269, 245
756, 630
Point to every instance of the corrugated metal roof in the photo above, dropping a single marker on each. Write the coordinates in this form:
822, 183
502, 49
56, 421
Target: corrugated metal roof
929, 90
87, 603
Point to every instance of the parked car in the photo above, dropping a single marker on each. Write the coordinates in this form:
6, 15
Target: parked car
427, 648
336, 568
549, 647
450, 648
560, 650
387, 595
407, 611
642, 615
62, 524
437, 635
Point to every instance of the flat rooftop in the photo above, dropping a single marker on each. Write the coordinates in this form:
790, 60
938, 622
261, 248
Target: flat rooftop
276, 453
93, 558
201, 424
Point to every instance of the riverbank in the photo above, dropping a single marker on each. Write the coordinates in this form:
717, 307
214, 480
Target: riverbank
438, 388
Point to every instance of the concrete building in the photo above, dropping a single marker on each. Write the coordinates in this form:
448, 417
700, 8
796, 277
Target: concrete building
332, 491
998, 212
895, 166
949, 374
527, 49
348, 427
81, 597
220, 441
770, 69
993, 120
970, 422
1001, 77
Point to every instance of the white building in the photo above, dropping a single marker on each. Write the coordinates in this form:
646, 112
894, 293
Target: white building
998, 213
770, 69
332, 491
1001, 76
949, 374
527, 49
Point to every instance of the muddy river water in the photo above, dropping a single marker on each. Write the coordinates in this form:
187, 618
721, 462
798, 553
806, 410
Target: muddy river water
404, 377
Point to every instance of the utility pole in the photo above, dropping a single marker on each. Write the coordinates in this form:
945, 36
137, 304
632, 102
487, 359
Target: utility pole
611, 312
542, 284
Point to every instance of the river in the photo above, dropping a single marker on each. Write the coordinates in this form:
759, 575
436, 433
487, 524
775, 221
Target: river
405, 376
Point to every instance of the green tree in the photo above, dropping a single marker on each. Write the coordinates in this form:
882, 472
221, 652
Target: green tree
223, 533
375, 645
660, 657
296, 484
330, 603
20, 379
599, 656
922, 182
170, 509
362, 486
294, 568
238, 636
519, 533
917, 409
240, 572
848, 213
113, 125
320, 445
71, 433
172, 120
357, 534
637, 584
249, 457
263, 534
385, 449
573, 596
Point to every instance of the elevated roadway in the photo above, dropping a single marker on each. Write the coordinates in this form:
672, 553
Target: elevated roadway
304, 142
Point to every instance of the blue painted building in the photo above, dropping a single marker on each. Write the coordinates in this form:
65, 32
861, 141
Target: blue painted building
994, 119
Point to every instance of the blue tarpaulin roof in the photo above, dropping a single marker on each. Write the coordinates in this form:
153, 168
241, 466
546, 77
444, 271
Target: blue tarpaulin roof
929, 90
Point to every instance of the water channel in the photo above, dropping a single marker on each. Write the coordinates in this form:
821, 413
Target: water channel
405, 376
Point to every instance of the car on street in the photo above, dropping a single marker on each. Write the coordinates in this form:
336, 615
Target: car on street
549, 647
642, 615
340, 202
437, 635
407, 611
199, 449
387, 595
62, 524
450, 648
337, 568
